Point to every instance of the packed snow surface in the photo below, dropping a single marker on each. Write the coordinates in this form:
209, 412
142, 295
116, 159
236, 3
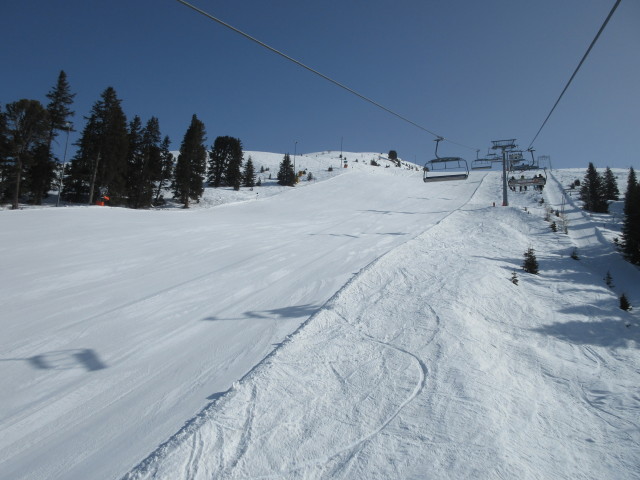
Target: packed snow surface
363, 325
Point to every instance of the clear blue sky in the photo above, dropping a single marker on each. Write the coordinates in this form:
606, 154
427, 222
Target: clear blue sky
471, 71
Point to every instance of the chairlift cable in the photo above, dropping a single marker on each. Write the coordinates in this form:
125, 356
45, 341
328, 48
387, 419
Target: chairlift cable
593, 42
297, 62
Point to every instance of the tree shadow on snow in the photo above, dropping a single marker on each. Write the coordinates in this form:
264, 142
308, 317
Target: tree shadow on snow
611, 332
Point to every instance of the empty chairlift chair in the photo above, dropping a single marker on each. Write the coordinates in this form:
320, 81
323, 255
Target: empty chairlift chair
445, 168
481, 163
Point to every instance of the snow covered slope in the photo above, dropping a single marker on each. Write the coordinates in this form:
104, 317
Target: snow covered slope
431, 364
118, 325
364, 326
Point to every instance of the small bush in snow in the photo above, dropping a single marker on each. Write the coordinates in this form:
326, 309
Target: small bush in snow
530, 264
624, 303
608, 280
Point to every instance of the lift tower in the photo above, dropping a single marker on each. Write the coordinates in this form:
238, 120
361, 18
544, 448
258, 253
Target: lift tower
504, 145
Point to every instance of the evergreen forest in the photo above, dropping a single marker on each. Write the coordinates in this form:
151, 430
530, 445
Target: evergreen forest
117, 161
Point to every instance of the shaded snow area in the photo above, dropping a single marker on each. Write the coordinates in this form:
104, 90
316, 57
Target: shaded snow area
361, 326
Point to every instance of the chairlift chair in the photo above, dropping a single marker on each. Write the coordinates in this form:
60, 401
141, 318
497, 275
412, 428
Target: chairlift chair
445, 168
516, 161
526, 165
481, 163
539, 180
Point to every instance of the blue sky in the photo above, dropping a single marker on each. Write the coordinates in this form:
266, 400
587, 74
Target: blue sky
470, 71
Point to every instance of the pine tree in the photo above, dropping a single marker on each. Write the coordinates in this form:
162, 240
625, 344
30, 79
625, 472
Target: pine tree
624, 303
592, 192
152, 162
100, 164
192, 162
60, 101
608, 279
610, 185
631, 223
26, 128
286, 175
78, 175
233, 172
249, 175
58, 108
135, 162
4, 156
40, 174
530, 264
145, 161
225, 162
165, 172
114, 148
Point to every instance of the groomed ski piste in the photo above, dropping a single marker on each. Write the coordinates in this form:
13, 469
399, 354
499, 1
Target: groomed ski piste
360, 326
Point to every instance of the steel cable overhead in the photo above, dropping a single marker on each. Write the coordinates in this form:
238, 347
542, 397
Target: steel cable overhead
300, 64
593, 42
